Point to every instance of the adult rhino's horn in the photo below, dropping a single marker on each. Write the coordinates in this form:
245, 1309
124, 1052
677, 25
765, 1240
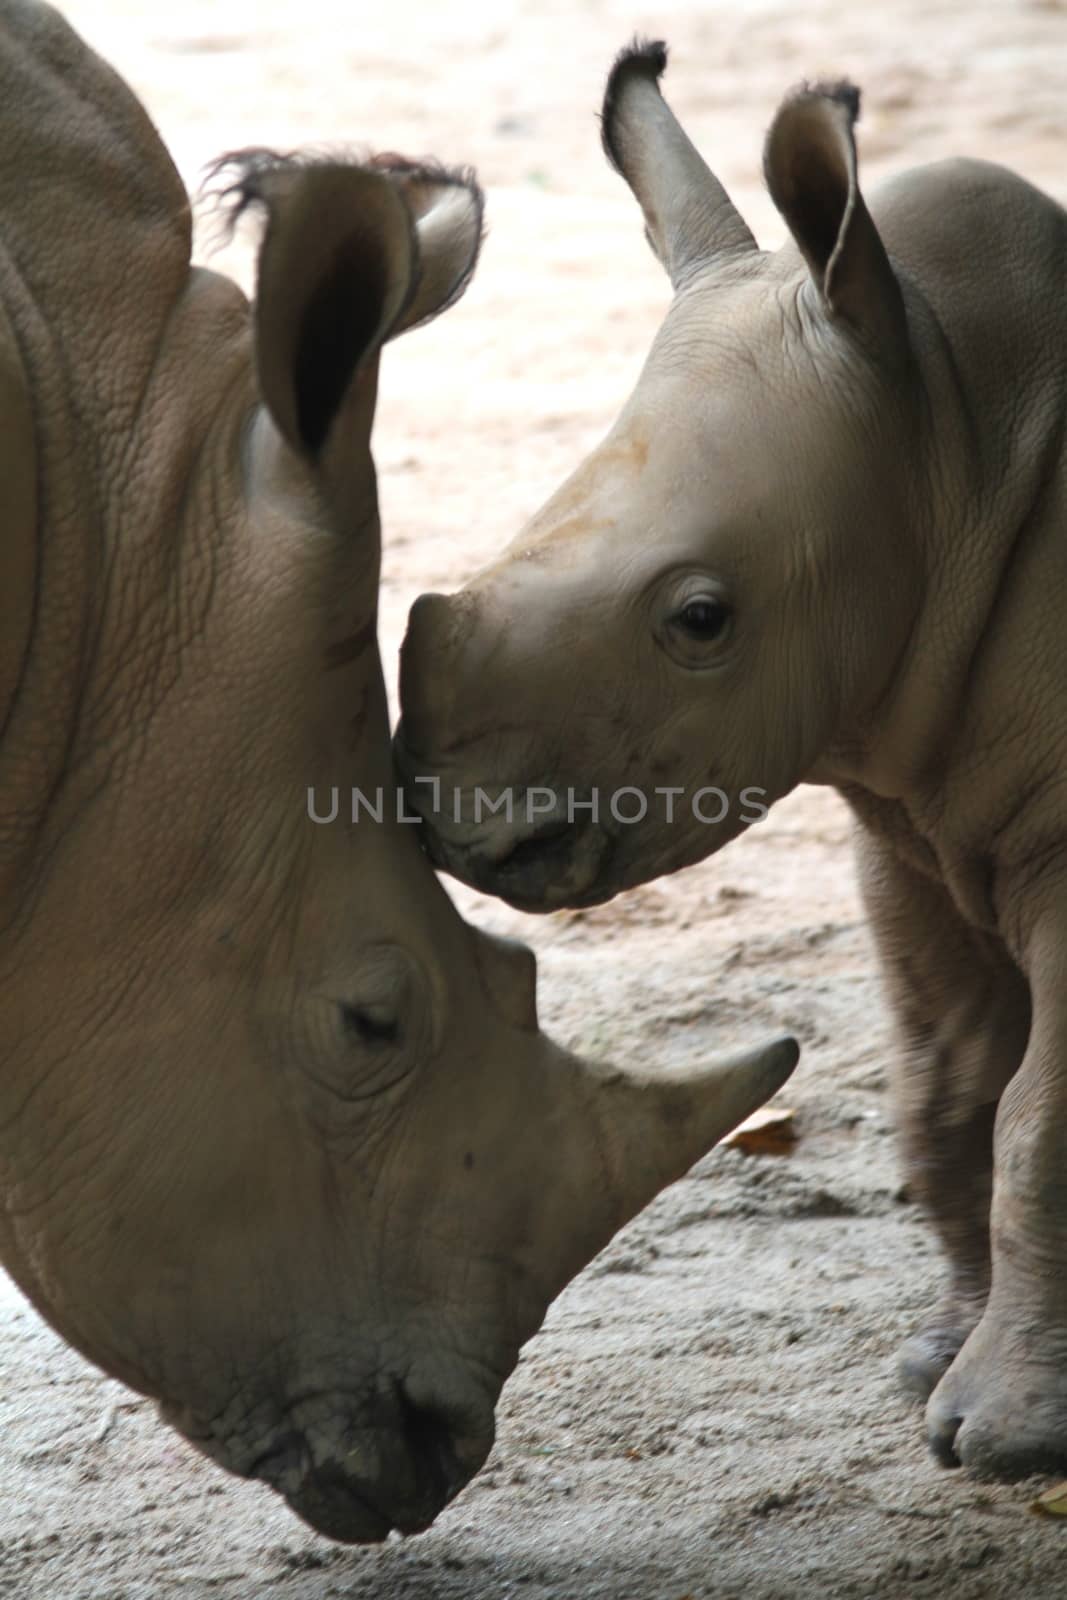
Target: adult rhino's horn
655, 1127
690, 220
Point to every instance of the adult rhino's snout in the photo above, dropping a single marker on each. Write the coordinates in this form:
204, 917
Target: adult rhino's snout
396, 1471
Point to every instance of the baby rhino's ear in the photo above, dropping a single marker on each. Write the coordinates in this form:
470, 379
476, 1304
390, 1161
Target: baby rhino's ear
351, 255
690, 220
812, 173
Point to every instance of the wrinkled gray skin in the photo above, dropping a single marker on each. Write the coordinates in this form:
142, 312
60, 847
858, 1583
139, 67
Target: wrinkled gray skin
825, 542
281, 1144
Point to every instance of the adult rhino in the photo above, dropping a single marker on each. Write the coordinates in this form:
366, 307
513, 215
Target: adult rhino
824, 542
282, 1144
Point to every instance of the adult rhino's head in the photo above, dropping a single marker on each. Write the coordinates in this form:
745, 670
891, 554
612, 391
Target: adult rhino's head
721, 590
283, 1144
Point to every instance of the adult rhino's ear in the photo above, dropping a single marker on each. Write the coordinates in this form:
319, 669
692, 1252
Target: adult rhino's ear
811, 170
351, 256
690, 220
448, 209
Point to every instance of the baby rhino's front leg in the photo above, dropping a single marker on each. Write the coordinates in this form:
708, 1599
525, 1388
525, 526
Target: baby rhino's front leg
1002, 1406
963, 1012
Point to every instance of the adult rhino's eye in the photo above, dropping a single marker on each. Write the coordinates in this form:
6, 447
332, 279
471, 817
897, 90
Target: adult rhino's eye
363, 1034
703, 618
374, 1026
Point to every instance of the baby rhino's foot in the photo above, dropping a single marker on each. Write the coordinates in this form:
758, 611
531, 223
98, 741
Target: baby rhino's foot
1001, 1409
923, 1360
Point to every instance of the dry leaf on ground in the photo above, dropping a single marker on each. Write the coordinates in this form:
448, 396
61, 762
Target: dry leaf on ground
770, 1131
1053, 1503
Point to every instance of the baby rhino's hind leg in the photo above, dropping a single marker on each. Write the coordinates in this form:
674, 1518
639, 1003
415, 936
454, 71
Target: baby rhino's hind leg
963, 1013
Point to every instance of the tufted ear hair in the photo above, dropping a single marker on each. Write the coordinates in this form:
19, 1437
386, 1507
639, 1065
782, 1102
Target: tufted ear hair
352, 254
448, 209
811, 169
690, 220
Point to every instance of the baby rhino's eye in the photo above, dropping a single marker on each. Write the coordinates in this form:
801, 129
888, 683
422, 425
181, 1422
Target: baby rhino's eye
703, 618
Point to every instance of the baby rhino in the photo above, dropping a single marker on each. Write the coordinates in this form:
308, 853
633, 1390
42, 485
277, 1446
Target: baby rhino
825, 542
281, 1142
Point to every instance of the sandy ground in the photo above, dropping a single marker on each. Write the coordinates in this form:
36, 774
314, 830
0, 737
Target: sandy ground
710, 1410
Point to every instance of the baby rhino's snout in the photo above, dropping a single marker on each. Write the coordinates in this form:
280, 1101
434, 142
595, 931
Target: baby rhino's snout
463, 753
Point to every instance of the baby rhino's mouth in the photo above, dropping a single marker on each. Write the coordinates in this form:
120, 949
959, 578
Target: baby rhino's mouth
557, 864
552, 843
503, 841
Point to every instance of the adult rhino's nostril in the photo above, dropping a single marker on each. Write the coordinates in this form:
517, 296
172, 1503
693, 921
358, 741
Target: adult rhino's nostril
433, 1454
328, 1500
412, 1475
